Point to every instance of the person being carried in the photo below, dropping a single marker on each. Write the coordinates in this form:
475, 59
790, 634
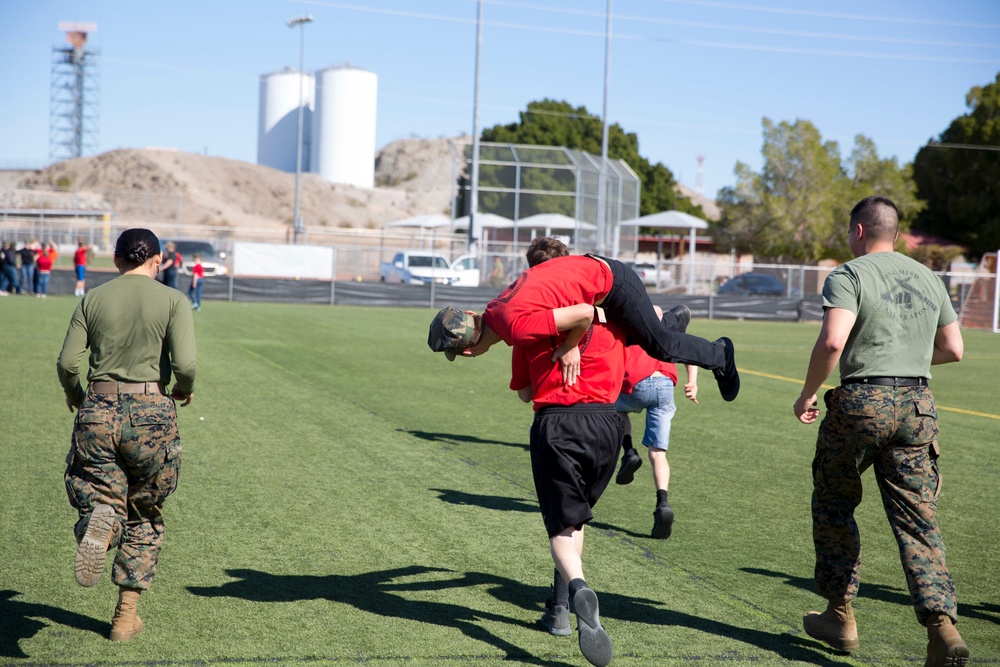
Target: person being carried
887, 319
649, 385
565, 292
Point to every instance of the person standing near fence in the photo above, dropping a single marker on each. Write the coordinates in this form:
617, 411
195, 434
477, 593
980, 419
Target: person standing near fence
8, 269
80, 257
887, 319
27, 253
171, 264
46, 258
197, 282
126, 451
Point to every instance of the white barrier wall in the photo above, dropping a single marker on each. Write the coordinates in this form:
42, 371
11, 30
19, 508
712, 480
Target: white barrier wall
272, 260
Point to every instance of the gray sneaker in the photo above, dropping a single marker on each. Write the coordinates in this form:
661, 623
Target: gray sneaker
594, 641
555, 619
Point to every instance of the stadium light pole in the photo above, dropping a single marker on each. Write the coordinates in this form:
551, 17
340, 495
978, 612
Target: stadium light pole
300, 21
474, 176
602, 179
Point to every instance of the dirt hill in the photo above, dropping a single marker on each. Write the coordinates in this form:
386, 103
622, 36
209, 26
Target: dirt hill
414, 177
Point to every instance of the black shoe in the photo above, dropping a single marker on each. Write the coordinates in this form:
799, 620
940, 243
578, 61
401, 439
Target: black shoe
555, 619
594, 641
630, 463
663, 521
728, 377
683, 315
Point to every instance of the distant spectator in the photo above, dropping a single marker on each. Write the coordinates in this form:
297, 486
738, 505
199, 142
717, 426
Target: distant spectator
46, 258
171, 263
27, 255
83, 251
8, 269
497, 275
197, 282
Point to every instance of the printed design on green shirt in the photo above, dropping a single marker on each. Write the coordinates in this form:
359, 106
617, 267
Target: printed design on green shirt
903, 299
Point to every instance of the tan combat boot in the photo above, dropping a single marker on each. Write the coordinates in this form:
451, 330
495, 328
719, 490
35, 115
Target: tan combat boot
945, 647
126, 624
835, 626
93, 546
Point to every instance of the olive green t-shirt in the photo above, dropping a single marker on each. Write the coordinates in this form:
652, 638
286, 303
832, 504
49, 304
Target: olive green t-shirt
900, 304
137, 330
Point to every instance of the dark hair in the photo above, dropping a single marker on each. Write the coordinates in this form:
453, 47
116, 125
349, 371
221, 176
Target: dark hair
543, 249
136, 245
879, 216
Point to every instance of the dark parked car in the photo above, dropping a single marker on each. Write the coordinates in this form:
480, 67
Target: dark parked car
757, 284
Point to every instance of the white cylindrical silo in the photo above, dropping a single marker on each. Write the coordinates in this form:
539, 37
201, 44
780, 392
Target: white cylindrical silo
278, 125
343, 131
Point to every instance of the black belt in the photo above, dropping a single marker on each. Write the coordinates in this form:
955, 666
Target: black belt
889, 381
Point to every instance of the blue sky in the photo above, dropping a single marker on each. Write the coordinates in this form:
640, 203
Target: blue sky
689, 77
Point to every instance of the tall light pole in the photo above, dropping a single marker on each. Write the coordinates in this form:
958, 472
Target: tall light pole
602, 179
474, 176
300, 21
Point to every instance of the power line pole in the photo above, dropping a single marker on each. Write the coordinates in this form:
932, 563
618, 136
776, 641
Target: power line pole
301, 21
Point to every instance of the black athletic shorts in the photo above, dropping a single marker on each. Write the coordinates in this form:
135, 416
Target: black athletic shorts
574, 451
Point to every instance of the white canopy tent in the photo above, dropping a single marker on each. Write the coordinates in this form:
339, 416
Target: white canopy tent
482, 221
422, 222
669, 220
555, 221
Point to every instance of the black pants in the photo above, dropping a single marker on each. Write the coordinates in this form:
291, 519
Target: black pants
628, 305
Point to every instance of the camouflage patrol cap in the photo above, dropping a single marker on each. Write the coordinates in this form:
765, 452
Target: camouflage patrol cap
451, 331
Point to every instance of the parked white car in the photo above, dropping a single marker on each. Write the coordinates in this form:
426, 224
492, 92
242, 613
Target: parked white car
466, 269
649, 274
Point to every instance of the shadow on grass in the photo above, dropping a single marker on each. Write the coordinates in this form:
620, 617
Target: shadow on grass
20, 622
985, 611
454, 438
487, 502
375, 592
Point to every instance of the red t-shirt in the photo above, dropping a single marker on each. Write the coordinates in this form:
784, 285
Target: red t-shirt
602, 367
639, 366
44, 262
198, 270
522, 314
80, 257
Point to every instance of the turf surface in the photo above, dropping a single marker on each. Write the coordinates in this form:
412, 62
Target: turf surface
348, 496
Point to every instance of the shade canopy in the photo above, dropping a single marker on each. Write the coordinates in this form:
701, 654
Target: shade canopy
558, 221
667, 220
431, 221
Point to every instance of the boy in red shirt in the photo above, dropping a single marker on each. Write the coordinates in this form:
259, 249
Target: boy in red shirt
46, 258
649, 385
574, 442
561, 295
80, 265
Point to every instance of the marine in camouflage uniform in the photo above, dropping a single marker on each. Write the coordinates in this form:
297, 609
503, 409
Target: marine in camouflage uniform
126, 450
887, 319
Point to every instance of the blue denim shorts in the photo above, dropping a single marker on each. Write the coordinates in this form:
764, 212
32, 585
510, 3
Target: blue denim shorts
655, 395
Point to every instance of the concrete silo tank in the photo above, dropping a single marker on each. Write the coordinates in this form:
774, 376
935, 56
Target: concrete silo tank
343, 132
278, 125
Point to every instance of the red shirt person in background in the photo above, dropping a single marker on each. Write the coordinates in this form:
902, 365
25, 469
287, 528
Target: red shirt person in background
80, 264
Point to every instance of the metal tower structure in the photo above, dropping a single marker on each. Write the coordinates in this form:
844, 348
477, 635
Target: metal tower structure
699, 184
75, 95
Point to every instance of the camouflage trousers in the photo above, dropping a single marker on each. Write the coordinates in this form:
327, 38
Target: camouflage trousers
894, 431
126, 453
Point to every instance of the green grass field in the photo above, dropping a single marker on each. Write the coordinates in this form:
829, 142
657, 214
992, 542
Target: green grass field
348, 496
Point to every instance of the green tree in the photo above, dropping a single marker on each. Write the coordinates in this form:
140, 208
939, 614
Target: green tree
797, 208
556, 123
962, 185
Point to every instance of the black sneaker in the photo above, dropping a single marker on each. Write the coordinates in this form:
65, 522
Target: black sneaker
663, 521
683, 315
555, 619
594, 641
728, 377
631, 462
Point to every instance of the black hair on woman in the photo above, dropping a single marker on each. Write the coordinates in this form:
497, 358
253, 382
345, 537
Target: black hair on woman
136, 245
